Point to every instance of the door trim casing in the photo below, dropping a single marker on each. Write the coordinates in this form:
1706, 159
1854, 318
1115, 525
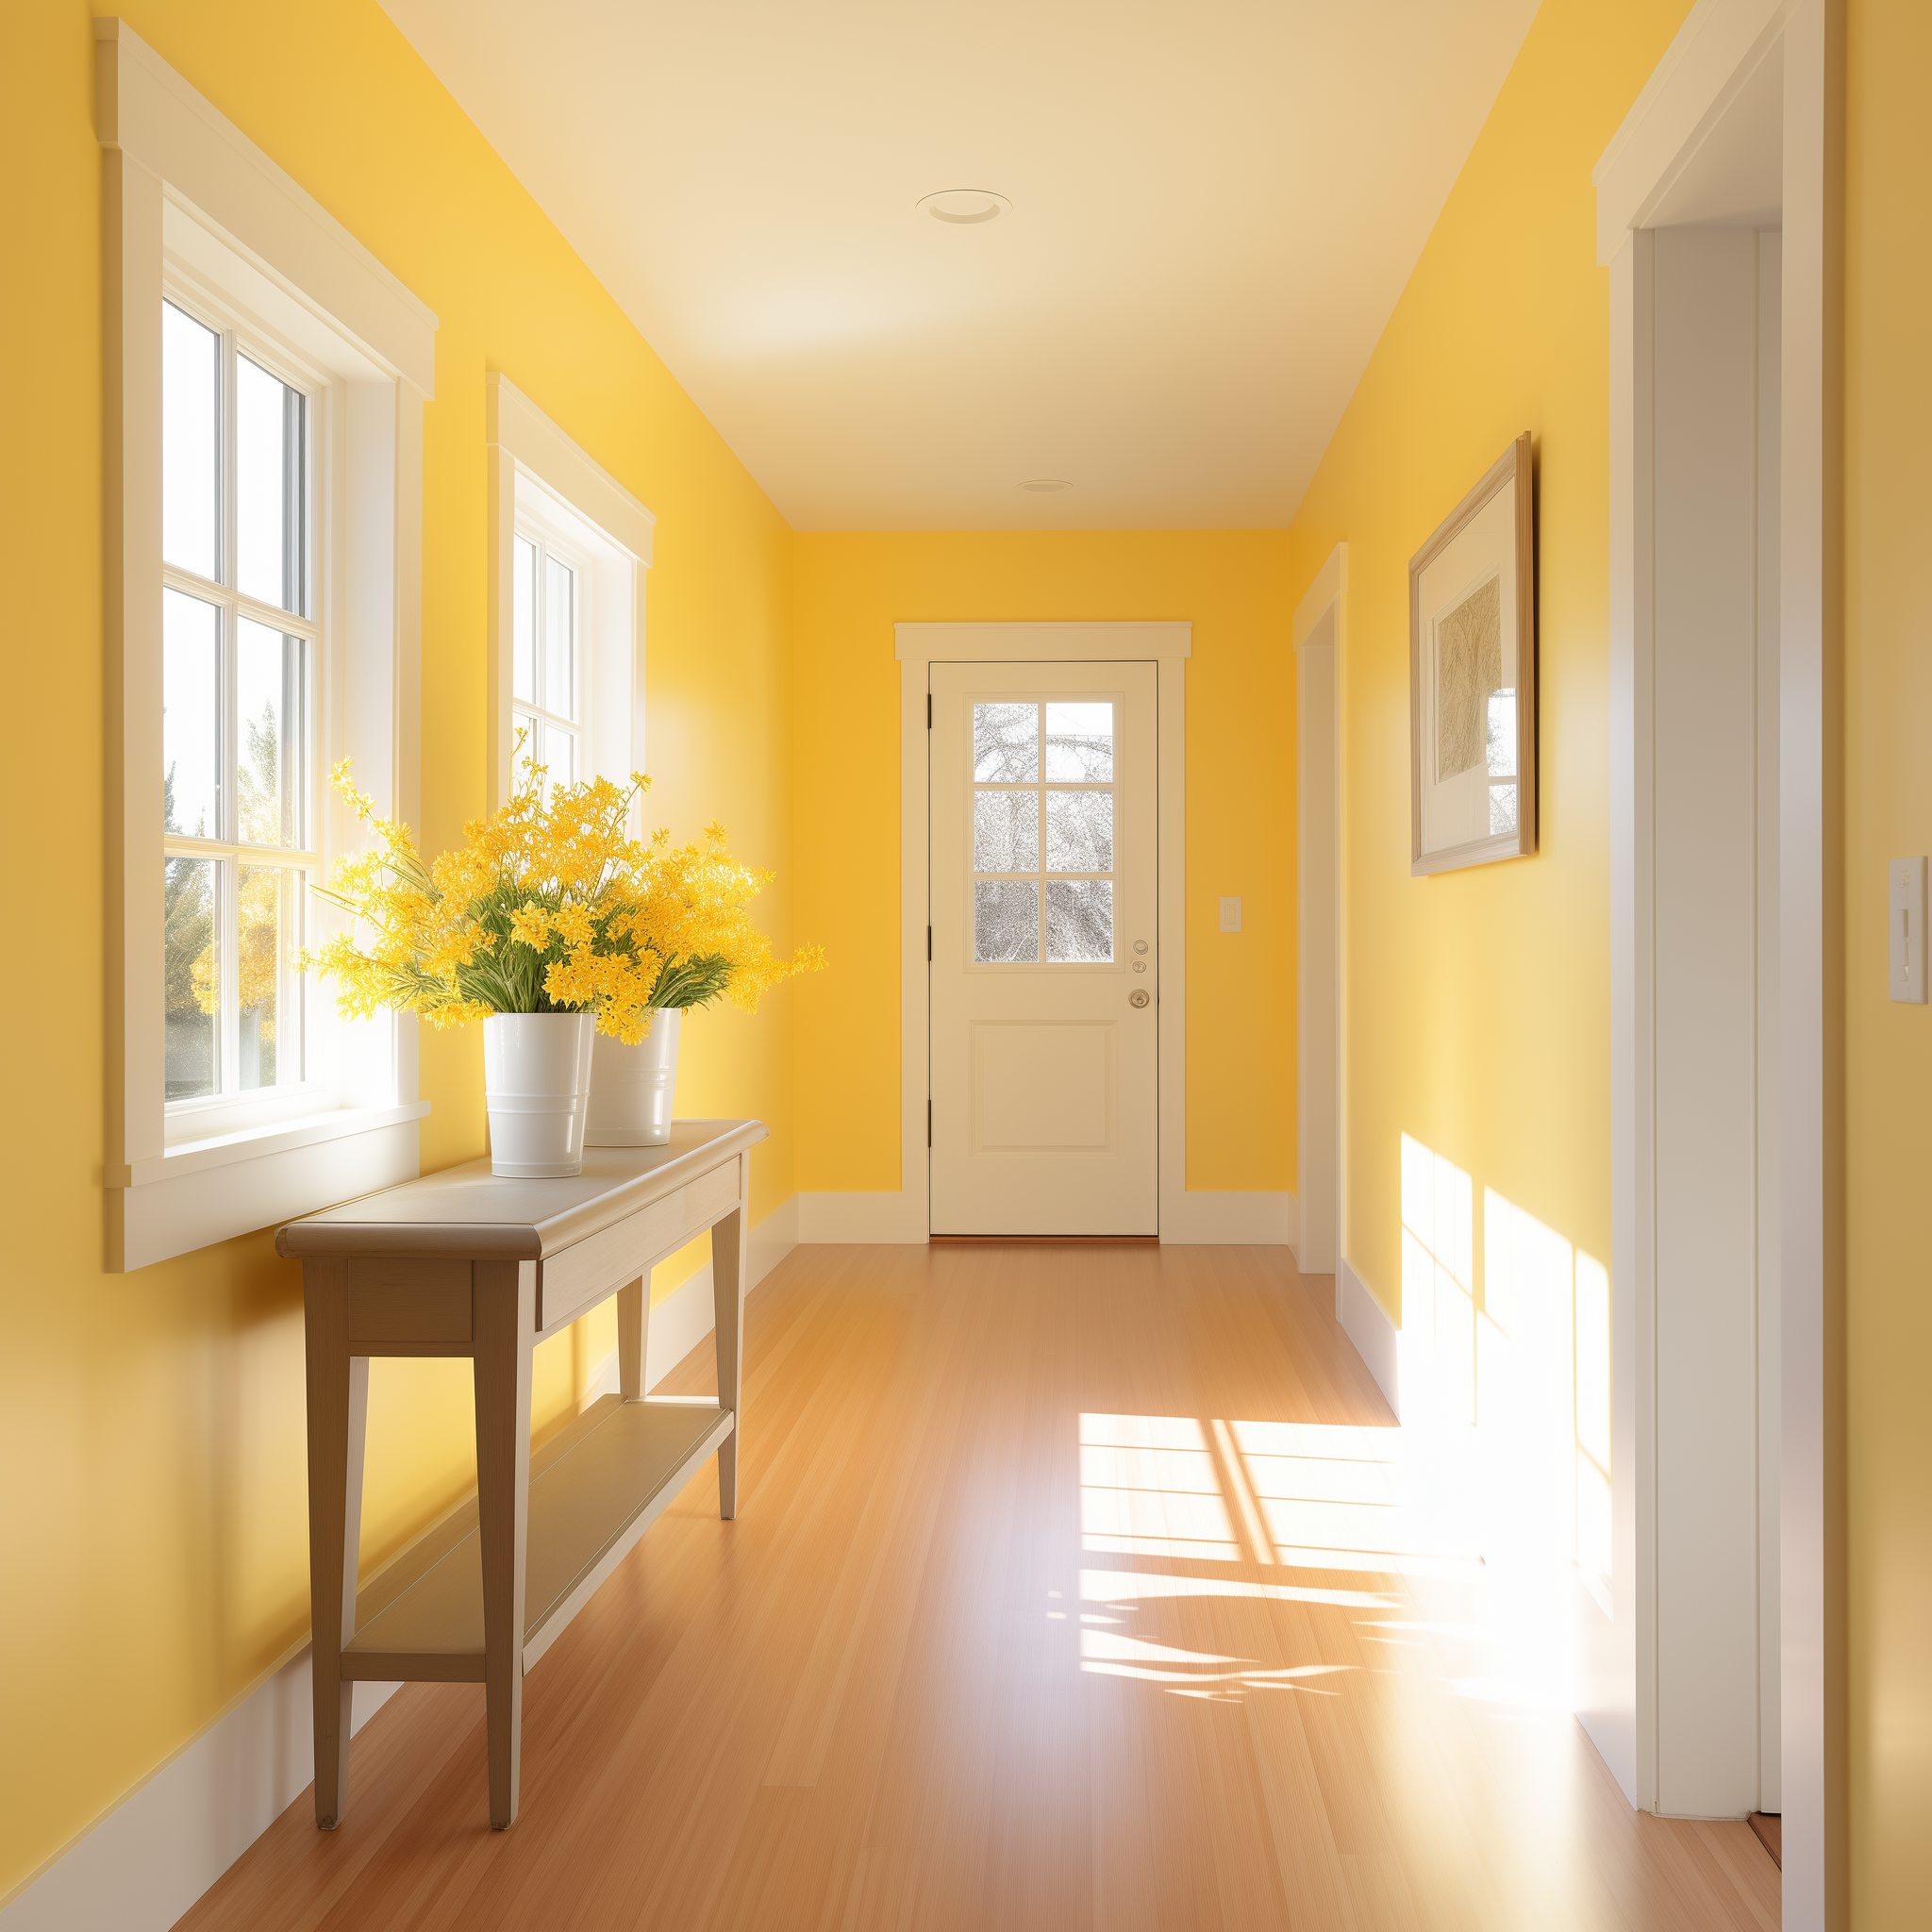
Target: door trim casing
1715, 55
1184, 1217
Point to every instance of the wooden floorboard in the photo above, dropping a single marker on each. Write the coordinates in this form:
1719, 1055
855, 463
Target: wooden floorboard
947, 1670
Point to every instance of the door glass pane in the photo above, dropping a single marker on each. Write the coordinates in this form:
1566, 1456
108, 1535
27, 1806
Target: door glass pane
1079, 742
1006, 920
1005, 831
190, 1040
560, 641
269, 496
1502, 809
1079, 831
524, 674
1005, 743
191, 715
1079, 919
190, 443
271, 1046
269, 702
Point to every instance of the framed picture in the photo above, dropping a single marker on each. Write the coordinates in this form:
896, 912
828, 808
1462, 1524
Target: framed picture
1472, 677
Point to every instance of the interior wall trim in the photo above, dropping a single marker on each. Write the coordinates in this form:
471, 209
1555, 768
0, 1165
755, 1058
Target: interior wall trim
1366, 1323
144, 107
1720, 47
140, 1865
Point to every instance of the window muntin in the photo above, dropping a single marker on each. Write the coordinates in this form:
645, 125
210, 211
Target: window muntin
238, 649
549, 701
1043, 870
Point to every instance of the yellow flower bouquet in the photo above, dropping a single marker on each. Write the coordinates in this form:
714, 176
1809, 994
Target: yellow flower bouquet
549, 910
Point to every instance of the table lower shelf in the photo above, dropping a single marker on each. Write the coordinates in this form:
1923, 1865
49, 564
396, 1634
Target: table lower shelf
594, 1490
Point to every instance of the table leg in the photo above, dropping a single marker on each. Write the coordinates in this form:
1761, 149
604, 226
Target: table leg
505, 1319
633, 1339
728, 1309
337, 1413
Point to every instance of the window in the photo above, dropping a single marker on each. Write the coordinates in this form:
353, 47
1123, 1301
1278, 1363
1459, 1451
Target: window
1042, 832
569, 547
550, 672
238, 646
263, 400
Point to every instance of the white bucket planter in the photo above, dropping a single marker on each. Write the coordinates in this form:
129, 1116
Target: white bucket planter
537, 1084
631, 1087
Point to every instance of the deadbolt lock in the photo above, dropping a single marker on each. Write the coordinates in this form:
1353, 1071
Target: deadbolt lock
1138, 997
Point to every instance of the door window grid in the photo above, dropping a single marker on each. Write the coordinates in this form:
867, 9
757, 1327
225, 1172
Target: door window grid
238, 647
549, 702
1043, 815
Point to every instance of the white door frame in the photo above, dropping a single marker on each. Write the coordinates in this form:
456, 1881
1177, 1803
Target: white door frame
1184, 1217
1722, 44
1322, 1237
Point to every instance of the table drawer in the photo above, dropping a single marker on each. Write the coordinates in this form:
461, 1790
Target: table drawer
404, 1302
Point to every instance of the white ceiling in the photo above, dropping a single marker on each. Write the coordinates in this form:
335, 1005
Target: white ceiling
1214, 208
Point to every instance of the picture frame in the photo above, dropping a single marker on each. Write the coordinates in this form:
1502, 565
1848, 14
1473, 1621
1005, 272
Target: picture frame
1472, 677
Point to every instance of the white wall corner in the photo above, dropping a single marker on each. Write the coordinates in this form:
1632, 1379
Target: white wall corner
140, 1866
1376, 1337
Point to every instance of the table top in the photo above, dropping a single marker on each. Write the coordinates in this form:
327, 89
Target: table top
467, 1213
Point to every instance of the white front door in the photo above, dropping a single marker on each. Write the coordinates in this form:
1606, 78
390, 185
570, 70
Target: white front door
1045, 961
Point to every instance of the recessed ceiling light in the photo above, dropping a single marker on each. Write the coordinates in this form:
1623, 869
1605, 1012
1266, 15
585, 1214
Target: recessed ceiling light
965, 207
1046, 486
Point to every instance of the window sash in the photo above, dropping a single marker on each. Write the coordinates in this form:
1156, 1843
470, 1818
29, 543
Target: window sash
229, 852
525, 710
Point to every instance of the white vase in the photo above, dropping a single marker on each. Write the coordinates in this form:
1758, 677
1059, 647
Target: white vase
631, 1087
536, 1085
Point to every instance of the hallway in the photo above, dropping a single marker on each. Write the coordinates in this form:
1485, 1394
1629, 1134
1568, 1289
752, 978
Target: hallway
1072, 1588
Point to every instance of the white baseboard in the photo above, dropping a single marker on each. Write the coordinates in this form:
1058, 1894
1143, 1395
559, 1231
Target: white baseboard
1365, 1323
142, 1864
1271, 1220
1201, 1217
771, 1240
867, 1219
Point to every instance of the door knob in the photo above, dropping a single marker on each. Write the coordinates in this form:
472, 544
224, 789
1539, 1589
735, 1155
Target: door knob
1138, 997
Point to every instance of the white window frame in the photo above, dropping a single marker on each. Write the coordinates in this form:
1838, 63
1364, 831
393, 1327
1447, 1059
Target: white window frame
191, 201
541, 480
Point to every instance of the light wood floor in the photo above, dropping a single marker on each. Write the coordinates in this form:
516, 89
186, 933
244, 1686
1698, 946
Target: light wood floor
950, 1669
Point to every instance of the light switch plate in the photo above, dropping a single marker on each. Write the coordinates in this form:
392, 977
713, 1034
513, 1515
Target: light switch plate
1908, 914
1230, 915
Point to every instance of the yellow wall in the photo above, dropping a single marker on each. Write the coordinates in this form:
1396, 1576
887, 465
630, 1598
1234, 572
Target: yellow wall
850, 590
151, 1424
1888, 1048
1479, 1000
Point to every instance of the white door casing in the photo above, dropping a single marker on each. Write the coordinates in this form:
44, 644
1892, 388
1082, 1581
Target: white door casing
1045, 958
1740, 125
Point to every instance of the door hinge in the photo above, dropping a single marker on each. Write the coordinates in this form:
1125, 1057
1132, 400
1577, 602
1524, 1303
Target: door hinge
928, 1123
928, 710
928, 945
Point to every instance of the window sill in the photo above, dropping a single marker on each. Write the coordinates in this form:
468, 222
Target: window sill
251, 1144
208, 1191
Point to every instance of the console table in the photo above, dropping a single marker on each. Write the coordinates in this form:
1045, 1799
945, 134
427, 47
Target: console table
461, 1263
